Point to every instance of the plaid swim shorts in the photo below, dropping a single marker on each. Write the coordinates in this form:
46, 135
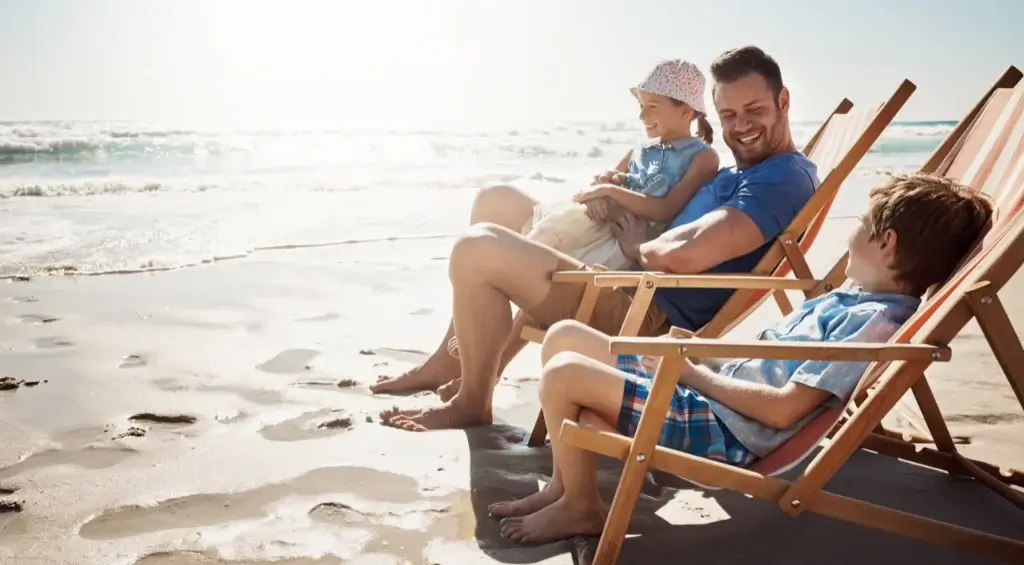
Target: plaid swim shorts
690, 426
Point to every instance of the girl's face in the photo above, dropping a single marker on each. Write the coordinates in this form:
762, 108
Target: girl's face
663, 117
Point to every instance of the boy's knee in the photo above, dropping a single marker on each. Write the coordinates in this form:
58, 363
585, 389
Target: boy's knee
558, 375
564, 335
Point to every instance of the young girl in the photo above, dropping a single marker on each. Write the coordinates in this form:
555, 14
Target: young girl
654, 181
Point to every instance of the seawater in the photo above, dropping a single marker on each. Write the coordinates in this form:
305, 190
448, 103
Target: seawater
92, 197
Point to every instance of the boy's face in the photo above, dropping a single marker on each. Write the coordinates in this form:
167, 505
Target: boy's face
870, 259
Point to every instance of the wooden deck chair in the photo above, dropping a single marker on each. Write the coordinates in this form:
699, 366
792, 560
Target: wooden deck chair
971, 293
836, 148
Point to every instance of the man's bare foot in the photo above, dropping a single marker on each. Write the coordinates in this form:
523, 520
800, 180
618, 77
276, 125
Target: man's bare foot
537, 501
555, 522
444, 417
434, 372
448, 390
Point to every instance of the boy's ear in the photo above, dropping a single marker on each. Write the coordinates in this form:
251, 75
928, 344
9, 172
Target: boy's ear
887, 241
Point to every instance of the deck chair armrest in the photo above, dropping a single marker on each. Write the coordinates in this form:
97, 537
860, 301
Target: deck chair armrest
803, 351
739, 281
584, 277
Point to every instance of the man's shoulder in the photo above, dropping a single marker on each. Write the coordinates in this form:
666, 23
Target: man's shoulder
792, 170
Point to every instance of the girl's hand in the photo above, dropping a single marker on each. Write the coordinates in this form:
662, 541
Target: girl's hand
611, 176
598, 210
591, 193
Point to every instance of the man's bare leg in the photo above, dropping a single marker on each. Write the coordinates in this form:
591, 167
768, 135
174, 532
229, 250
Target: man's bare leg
571, 383
513, 346
505, 206
566, 336
490, 266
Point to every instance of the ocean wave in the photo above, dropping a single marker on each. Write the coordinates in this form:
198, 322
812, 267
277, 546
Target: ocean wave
24, 272
83, 141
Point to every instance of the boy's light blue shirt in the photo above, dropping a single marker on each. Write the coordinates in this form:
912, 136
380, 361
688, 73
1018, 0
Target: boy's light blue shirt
841, 315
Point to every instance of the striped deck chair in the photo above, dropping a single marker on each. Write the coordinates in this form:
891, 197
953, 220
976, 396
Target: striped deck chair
988, 151
836, 149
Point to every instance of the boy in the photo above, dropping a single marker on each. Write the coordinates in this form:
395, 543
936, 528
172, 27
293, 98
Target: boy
916, 231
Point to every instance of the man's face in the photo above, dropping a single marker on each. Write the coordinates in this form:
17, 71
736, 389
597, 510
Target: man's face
754, 126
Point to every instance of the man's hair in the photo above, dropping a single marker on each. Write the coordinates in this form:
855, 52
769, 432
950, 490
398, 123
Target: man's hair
936, 221
737, 63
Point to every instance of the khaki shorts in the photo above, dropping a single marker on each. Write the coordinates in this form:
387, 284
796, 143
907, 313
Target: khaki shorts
610, 311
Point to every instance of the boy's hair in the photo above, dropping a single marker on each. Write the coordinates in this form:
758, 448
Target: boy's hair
936, 221
737, 63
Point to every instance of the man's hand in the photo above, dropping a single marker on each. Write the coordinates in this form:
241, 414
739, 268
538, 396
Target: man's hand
631, 233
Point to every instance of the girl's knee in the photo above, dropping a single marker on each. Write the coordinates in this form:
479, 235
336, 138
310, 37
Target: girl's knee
502, 204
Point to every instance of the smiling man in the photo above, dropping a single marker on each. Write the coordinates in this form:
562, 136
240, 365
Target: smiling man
727, 227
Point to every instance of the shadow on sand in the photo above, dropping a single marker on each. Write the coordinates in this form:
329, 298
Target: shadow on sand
673, 525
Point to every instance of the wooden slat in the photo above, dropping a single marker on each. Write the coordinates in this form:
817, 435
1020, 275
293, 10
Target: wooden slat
708, 281
797, 350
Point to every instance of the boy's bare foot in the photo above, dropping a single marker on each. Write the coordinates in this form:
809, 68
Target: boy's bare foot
555, 522
448, 390
444, 417
434, 372
528, 505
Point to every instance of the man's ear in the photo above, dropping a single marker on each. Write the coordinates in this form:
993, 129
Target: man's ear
784, 100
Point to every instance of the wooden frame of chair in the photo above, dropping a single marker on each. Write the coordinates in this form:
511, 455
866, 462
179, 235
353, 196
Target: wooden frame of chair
971, 294
785, 256
974, 297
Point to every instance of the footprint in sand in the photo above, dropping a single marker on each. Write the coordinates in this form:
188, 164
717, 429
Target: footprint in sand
196, 558
311, 425
132, 361
11, 383
88, 458
343, 383
261, 396
53, 342
24, 299
207, 509
404, 355
9, 509
289, 361
37, 319
151, 418
326, 317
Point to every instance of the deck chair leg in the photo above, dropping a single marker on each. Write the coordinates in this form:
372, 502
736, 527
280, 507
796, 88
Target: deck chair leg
999, 332
539, 433
933, 416
639, 459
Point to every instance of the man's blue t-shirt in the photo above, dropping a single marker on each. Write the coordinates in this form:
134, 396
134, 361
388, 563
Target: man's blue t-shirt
771, 193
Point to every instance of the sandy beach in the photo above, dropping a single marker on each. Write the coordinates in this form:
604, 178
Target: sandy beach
220, 415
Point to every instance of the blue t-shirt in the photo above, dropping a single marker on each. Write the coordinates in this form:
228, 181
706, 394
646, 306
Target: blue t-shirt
771, 193
839, 316
655, 167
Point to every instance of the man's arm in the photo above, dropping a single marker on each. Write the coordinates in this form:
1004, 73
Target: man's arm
716, 237
778, 408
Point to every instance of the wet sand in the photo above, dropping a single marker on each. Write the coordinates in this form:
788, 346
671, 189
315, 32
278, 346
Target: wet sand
220, 415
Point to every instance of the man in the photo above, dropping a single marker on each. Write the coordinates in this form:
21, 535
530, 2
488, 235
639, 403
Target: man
727, 227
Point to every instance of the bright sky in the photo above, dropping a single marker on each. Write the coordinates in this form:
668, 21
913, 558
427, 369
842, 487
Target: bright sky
413, 63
